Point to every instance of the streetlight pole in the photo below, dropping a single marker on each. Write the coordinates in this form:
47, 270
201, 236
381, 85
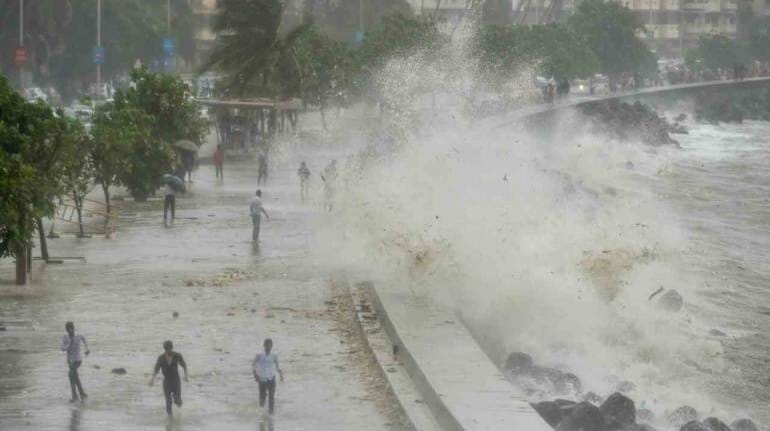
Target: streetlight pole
98, 43
21, 42
361, 17
168, 18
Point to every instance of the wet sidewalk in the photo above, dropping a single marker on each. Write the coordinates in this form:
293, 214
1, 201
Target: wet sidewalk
229, 296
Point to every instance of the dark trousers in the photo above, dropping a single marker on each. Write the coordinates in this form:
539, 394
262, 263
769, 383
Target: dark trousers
255, 220
169, 202
262, 175
172, 390
75, 380
219, 172
267, 390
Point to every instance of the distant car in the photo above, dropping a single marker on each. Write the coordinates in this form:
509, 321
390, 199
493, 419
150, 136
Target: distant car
84, 113
102, 91
54, 98
581, 86
35, 93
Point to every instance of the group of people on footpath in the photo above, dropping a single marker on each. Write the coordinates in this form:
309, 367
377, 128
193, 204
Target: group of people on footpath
265, 368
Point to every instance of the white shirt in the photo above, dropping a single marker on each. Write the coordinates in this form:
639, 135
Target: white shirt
266, 366
255, 205
72, 347
168, 190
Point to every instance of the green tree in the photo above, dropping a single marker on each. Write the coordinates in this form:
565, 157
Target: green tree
715, 51
609, 29
325, 65
396, 35
78, 179
558, 51
114, 132
166, 99
759, 39
254, 51
32, 144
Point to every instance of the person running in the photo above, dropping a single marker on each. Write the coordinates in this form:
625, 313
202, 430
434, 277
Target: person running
329, 178
262, 167
255, 206
265, 367
70, 343
219, 163
304, 180
168, 362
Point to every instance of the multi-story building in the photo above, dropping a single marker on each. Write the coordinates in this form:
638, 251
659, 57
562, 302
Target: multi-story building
205, 12
670, 26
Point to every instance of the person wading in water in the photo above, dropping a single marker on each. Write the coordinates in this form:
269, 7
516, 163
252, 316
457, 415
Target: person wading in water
169, 362
70, 343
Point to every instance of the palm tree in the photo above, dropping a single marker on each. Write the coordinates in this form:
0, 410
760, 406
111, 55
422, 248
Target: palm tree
255, 52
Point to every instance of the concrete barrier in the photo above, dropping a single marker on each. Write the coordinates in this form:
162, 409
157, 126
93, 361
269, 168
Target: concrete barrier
463, 389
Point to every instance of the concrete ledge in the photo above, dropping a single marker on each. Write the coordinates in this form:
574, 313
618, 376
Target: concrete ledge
463, 389
380, 346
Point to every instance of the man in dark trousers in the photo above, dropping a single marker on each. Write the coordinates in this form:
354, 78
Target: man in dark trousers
265, 367
70, 343
256, 210
169, 362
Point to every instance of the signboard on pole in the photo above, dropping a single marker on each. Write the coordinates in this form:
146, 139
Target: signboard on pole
97, 55
20, 56
168, 46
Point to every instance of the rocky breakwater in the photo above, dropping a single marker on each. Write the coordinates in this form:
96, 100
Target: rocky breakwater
567, 406
628, 122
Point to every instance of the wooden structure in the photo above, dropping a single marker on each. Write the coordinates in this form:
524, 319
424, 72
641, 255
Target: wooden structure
243, 121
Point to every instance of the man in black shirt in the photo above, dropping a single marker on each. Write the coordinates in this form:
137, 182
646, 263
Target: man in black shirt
169, 362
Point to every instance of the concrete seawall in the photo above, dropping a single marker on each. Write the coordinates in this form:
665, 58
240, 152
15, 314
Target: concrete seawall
463, 389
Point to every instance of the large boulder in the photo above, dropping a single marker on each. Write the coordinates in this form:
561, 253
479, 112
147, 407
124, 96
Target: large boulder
744, 425
638, 427
693, 426
518, 362
714, 424
619, 411
645, 415
554, 411
671, 301
584, 417
683, 415
557, 380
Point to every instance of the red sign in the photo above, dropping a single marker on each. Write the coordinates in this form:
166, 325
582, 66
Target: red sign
21, 56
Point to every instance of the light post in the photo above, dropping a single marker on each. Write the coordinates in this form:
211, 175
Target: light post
98, 44
21, 43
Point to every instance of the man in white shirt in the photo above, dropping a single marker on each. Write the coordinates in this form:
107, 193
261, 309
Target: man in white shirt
70, 343
265, 367
255, 207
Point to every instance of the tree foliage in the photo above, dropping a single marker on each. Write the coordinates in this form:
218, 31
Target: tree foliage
325, 66
165, 98
559, 52
34, 145
609, 29
715, 51
254, 51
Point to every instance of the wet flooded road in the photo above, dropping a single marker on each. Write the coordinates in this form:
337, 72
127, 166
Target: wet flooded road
229, 296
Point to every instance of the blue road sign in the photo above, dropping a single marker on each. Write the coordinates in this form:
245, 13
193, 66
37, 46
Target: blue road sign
168, 46
97, 55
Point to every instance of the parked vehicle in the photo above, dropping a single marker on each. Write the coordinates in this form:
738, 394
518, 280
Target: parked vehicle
35, 93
